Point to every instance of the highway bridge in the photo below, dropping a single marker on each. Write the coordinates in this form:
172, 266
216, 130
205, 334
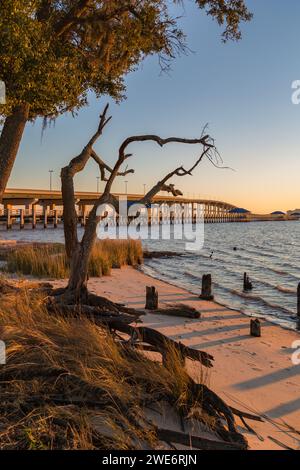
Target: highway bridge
33, 206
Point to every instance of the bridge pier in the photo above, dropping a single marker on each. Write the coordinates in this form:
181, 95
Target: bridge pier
22, 220
45, 216
8, 210
83, 214
33, 216
55, 218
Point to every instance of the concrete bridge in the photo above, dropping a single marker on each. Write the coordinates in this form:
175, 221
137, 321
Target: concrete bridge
33, 206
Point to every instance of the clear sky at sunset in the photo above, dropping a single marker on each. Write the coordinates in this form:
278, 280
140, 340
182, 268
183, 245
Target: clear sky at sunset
243, 90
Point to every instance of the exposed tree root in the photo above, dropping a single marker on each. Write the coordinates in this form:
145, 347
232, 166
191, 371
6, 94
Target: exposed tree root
96, 308
67, 387
161, 342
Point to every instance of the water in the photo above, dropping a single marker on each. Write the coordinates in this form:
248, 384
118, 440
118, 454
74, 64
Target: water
268, 251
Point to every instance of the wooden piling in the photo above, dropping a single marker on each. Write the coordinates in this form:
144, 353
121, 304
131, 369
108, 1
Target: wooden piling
206, 293
255, 328
151, 298
22, 220
247, 283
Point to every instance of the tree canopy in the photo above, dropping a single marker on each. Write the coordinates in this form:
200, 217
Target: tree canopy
53, 52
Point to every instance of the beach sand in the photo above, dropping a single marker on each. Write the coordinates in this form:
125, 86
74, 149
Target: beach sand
253, 374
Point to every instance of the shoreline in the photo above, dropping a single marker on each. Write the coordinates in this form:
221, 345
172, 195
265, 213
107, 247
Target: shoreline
254, 374
260, 316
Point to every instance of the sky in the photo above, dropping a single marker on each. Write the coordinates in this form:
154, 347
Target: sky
241, 89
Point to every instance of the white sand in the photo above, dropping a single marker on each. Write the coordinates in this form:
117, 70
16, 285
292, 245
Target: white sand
253, 374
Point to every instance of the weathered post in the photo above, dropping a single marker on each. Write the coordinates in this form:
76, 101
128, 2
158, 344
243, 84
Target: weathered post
255, 328
151, 298
247, 283
206, 293
22, 223
33, 215
298, 300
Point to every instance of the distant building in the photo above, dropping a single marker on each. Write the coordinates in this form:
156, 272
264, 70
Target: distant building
279, 215
295, 213
239, 210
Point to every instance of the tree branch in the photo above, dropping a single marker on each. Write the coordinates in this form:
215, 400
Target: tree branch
68, 20
170, 188
76, 16
104, 167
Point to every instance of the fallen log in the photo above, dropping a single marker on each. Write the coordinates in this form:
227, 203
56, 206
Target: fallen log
188, 440
161, 342
179, 310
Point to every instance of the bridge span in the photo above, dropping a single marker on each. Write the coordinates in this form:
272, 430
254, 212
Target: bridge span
33, 206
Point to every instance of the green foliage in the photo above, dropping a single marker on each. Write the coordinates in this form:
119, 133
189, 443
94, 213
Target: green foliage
53, 52
229, 12
51, 262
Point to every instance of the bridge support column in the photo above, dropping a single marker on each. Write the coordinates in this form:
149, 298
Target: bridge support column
22, 220
45, 216
83, 214
55, 218
8, 208
33, 216
28, 208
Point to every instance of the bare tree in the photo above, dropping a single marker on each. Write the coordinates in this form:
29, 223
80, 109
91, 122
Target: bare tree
79, 252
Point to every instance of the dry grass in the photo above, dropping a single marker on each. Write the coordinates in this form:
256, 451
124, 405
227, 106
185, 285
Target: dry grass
49, 261
68, 384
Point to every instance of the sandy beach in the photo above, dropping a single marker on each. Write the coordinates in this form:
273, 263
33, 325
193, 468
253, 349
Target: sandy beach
253, 374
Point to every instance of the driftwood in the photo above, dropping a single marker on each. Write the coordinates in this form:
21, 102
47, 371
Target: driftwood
195, 441
161, 342
179, 310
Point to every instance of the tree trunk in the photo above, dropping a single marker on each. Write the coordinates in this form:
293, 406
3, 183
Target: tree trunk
69, 214
77, 286
10, 139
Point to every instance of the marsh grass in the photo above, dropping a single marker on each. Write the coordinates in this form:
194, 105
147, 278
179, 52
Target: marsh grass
50, 261
68, 384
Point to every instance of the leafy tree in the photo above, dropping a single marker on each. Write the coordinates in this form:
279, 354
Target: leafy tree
53, 52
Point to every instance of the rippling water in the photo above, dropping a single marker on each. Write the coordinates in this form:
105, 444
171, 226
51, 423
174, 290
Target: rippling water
268, 251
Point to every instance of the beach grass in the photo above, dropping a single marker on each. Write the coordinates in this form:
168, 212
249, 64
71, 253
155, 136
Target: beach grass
50, 261
68, 384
